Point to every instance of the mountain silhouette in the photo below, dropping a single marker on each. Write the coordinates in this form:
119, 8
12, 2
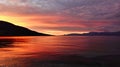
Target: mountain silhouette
96, 34
9, 29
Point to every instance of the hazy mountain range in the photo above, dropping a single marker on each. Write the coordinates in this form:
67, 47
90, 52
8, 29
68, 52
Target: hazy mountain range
9, 29
96, 34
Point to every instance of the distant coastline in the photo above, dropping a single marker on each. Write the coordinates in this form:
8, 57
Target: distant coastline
95, 34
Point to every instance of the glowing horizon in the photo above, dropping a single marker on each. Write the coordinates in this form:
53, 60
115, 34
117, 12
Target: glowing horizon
58, 17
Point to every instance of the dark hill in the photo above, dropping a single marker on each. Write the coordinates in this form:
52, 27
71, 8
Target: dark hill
9, 29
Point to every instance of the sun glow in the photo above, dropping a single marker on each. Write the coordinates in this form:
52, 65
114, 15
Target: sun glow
13, 20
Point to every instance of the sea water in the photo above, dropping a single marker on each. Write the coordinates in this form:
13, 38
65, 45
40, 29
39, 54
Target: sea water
60, 51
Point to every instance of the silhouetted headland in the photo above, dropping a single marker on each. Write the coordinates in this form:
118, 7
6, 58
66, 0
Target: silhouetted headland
9, 29
95, 34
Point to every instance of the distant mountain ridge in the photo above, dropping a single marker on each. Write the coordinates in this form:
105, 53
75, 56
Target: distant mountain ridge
9, 29
96, 34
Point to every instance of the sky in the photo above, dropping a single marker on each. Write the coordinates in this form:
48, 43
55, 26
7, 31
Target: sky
60, 17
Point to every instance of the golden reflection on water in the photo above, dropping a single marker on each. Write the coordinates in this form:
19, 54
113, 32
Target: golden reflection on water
27, 51
12, 48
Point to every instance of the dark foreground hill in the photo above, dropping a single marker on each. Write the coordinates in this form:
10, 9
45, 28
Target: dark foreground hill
96, 34
9, 29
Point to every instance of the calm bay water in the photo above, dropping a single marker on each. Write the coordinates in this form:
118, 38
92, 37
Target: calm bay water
59, 51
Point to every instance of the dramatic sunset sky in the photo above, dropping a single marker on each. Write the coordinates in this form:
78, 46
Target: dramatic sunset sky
63, 16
